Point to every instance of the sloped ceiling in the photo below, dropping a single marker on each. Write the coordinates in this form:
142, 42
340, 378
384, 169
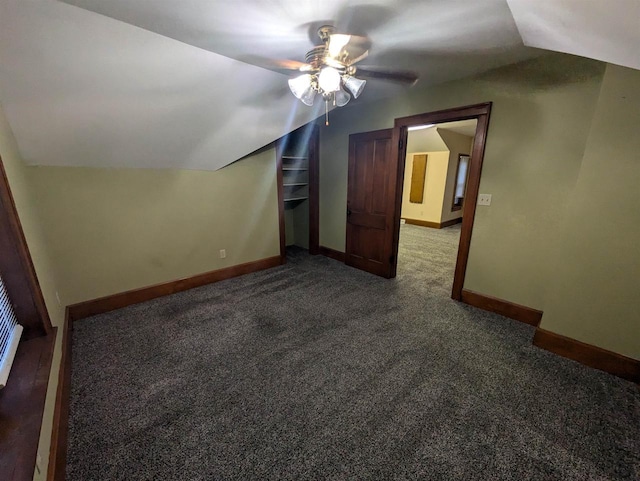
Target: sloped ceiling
425, 140
181, 84
440, 39
602, 30
82, 89
463, 127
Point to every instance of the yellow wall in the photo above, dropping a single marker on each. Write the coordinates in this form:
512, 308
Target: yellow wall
22, 191
431, 208
111, 230
457, 144
594, 292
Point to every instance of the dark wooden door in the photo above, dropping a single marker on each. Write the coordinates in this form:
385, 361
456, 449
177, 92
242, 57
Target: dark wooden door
371, 202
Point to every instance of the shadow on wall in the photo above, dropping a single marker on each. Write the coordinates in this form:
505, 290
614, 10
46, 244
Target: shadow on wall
542, 74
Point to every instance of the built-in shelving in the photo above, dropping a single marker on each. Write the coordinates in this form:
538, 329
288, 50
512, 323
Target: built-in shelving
295, 179
297, 155
294, 201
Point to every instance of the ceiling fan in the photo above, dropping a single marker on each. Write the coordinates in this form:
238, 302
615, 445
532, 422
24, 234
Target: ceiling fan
329, 69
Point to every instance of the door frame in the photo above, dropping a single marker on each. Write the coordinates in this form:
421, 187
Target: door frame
480, 112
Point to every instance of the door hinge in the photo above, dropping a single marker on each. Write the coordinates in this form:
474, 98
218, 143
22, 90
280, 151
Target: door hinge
400, 144
391, 259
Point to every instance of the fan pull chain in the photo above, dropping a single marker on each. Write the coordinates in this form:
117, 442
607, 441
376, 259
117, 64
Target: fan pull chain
326, 112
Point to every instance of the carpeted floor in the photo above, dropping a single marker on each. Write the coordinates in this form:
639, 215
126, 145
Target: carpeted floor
314, 370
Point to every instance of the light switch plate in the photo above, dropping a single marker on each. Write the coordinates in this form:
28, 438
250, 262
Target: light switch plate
484, 199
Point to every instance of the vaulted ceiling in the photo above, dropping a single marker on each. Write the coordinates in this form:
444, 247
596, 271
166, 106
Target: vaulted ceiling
168, 84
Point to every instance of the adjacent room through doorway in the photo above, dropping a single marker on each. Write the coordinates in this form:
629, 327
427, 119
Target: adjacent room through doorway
435, 180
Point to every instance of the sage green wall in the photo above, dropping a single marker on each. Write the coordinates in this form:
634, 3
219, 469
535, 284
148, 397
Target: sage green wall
301, 222
95, 232
541, 116
457, 144
296, 225
111, 230
289, 228
594, 293
22, 191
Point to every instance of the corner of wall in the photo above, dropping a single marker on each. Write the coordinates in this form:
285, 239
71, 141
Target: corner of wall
22, 191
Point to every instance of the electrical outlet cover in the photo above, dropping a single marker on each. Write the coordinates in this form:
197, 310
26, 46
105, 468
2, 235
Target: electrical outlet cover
484, 199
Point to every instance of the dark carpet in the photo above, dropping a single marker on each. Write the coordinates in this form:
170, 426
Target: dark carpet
314, 370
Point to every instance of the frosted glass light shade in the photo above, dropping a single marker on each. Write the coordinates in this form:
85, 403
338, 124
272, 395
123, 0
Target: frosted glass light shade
308, 96
355, 85
302, 88
342, 98
299, 84
329, 79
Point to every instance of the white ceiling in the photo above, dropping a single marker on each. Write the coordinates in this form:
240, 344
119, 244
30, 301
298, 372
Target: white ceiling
81, 89
425, 140
159, 83
428, 139
607, 30
464, 127
440, 39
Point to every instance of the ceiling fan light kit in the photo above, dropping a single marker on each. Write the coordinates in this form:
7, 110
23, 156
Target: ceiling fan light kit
303, 88
328, 65
329, 80
330, 69
355, 85
341, 98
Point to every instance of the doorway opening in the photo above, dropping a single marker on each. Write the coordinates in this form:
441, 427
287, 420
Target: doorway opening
481, 114
433, 193
375, 187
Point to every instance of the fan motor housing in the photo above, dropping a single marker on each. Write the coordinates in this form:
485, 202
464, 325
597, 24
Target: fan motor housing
316, 56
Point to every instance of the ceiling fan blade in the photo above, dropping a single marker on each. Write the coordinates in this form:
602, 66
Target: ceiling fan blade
347, 48
357, 59
279, 65
290, 64
404, 76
